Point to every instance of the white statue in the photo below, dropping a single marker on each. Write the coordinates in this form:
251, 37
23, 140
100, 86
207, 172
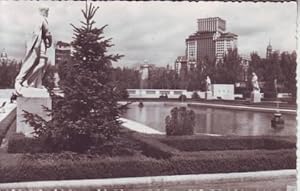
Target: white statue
29, 79
208, 83
254, 81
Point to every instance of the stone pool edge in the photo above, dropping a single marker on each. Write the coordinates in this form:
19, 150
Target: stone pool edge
154, 181
244, 108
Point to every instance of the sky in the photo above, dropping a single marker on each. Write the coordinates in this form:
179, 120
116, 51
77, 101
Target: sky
153, 31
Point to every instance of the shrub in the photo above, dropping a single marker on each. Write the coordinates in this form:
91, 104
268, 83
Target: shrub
182, 97
18, 143
195, 96
122, 145
227, 143
181, 122
69, 166
270, 94
151, 147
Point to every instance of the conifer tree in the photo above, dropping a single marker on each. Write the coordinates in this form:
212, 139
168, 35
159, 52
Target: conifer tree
86, 115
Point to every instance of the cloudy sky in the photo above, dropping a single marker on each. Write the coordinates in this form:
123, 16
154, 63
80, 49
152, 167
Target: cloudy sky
154, 31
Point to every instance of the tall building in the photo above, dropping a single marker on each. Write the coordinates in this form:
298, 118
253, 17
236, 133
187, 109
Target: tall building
3, 57
269, 50
211, 41
180, 63
63, 52
225, 42
211, 25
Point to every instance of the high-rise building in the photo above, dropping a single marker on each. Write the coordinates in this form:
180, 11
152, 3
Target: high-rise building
63, 52
212, 24
269, 50
3, 56
225, 42
211, 41
180, 62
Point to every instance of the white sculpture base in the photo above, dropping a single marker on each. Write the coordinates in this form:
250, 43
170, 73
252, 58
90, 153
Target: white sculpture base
208, 95
33, 105
255, 96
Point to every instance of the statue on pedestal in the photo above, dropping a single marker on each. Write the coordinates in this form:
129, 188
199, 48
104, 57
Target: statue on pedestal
208, 93
254, 81
29, 79
208, 84
255, 94
31, 94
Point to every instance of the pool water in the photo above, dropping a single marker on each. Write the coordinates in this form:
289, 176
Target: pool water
212, 120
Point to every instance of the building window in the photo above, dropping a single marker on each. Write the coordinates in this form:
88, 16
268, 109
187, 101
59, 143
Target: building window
177, 92
164, 92
131, 91
150, 92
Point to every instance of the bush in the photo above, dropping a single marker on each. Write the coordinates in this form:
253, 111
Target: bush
246, 94
182, 97
123, 145
195, 96
269, 94
69, 166
151, 147
227, 143
181, 122
18, 143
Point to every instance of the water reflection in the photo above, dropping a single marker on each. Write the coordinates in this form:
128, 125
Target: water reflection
214, 121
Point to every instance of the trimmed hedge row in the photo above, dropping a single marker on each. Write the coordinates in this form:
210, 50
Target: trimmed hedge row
157, 146
34, 167
120, 146
18, 143
227, 143
151, 147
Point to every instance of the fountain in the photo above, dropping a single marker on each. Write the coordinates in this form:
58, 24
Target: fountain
277, 121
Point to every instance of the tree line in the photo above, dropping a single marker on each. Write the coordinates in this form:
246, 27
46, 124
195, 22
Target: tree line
8, 71
277, 70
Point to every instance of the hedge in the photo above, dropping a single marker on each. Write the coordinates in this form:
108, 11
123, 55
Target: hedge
48, 167
162, 147
18, 143
227, 143
151, 147
120, 146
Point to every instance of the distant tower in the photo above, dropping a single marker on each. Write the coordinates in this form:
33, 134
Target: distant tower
3, 56
269, 50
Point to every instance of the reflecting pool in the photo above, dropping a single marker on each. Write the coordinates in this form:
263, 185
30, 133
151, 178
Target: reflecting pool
212, 120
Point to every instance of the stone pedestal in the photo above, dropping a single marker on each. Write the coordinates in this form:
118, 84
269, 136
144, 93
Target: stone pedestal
208, 95
255, 97
33, 105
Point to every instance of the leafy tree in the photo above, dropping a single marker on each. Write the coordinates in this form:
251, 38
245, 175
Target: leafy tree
86, 116
256, 65
8, 72
228, 70
272, 72
288, 63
